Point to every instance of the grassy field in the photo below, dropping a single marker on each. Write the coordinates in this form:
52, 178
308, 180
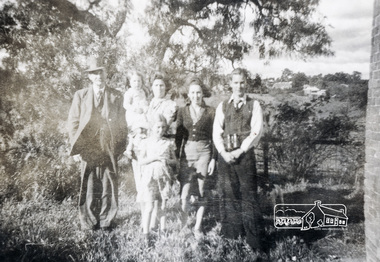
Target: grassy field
44, 230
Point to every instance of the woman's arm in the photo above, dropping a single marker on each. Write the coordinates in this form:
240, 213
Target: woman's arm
179, 135
172, 160
214, 152
129, 151
170, 112
148, 160
127, 103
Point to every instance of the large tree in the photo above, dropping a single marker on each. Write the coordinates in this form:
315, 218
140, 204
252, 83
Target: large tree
182, 31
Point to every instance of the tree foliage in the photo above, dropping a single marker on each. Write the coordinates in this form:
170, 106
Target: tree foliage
182, 32
298, 138
299, 80
349, 88
286, 75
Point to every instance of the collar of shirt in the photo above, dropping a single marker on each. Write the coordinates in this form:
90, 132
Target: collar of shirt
136, 90
157, 101
241, 99
99, 91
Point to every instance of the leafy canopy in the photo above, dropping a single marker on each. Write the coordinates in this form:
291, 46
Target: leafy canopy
183, 30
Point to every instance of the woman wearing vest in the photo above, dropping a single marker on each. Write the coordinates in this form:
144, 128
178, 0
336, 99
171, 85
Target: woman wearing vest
237, 128
195, 150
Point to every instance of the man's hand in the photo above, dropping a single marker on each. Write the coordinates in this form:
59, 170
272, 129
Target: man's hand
228, 157
128, 154
211, 167
77, 158
237, 153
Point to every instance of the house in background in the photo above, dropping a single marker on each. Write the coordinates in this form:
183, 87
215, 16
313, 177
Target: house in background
313, 92
282, 85
269, 81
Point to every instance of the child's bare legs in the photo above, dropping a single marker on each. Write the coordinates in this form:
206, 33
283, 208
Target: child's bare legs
201, 207
185, 205
147, 208
142, 209
159, 211
200, 212
153, 220
162, 215
185, 212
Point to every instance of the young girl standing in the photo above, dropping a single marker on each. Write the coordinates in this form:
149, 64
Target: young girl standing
159, 156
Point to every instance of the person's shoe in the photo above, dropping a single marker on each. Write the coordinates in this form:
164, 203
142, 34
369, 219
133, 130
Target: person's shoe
107, 229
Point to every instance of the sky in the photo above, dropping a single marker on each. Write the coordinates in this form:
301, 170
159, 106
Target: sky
349, 23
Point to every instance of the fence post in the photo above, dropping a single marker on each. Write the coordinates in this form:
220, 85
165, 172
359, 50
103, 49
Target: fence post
266, 160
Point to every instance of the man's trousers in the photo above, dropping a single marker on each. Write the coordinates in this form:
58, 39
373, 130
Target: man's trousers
98, 199
239, 209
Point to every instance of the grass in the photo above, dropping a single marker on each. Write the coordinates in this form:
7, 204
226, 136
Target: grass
45, 230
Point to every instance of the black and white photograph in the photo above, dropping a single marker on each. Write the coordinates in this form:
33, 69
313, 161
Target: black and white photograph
189, 130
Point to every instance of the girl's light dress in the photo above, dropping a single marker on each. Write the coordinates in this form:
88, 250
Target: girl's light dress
156, 176
167, 108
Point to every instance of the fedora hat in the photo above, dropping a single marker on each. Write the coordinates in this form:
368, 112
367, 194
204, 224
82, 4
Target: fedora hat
93, 64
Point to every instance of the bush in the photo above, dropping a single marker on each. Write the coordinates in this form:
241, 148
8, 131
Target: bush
39, 164
298, 139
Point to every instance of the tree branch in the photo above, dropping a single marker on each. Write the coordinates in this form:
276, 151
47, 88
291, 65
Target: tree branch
182, 22
120, 19
259, 6
85, 17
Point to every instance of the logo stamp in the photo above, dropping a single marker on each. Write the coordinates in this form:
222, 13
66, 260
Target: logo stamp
310, 216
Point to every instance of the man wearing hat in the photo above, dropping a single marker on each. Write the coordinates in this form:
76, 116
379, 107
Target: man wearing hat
97, 131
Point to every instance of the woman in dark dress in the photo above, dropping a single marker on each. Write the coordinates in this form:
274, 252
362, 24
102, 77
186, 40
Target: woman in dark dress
195, 150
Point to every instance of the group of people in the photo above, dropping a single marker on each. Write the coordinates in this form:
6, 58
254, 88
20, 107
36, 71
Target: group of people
166, 143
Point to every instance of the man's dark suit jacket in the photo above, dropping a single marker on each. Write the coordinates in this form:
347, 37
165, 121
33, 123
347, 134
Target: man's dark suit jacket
112, 111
